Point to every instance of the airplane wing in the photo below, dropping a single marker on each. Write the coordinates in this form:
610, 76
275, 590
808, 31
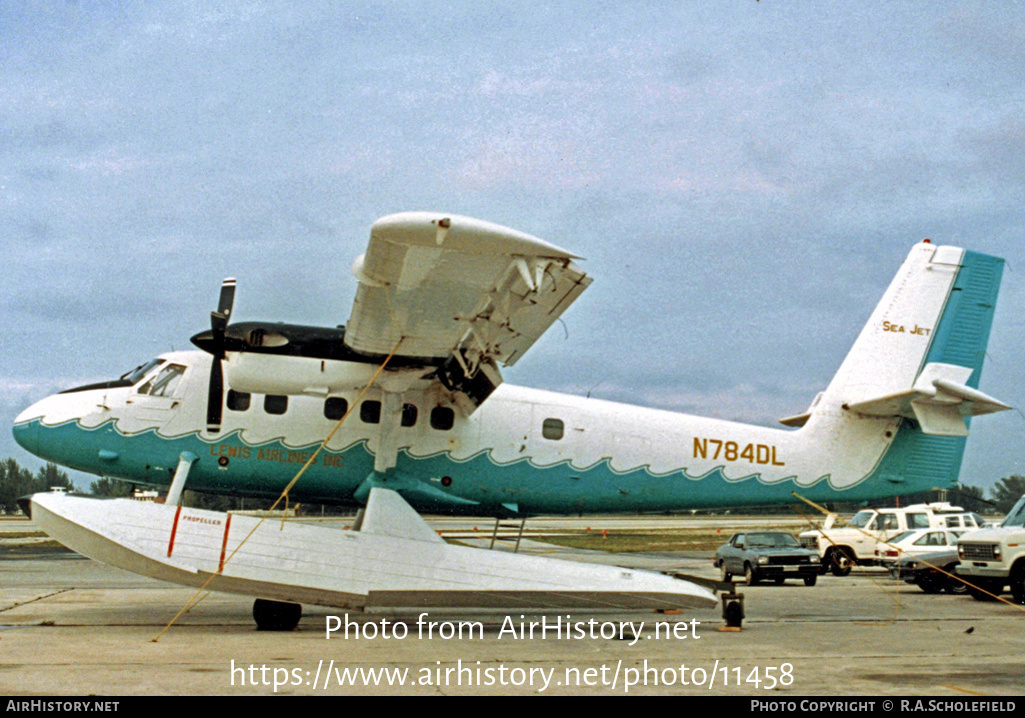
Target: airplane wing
460, 292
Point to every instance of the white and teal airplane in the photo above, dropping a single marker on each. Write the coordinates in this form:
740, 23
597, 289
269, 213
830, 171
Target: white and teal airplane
446, 301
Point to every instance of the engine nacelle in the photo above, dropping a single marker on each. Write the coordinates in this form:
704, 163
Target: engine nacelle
254, 373
289, 359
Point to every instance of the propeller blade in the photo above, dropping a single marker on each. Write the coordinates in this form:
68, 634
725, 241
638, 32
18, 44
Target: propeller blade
219, 319
218, 325
215, 398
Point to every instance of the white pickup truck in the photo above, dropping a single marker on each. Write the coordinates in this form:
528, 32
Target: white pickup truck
856, 540
995, 557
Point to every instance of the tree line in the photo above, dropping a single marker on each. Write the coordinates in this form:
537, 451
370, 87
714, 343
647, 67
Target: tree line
17, 481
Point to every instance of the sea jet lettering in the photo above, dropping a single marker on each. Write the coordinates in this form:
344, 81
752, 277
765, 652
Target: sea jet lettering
899, 328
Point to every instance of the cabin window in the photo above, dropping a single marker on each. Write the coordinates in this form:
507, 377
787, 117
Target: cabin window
409, 414
335, 408
370, 412
553, 429
442, 418
238, 401
275, 404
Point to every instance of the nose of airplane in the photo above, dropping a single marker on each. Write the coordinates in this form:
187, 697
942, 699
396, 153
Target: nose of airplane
26, 432
49, 429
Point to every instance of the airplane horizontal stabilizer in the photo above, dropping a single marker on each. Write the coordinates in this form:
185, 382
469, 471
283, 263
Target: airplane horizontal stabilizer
939, 401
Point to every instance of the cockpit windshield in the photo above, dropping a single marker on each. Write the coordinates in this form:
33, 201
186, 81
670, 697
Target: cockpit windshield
129, 378
140, 371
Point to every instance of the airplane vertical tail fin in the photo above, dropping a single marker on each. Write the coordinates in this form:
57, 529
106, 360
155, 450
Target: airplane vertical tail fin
916, 365
936, 313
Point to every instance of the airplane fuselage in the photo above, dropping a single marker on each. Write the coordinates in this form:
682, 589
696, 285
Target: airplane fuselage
524, 451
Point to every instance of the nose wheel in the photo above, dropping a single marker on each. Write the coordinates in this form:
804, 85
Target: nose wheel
276, 615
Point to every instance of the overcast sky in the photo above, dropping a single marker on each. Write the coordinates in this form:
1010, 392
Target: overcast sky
743, 179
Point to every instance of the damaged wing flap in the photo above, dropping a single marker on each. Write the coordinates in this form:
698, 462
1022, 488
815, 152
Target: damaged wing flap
462, 294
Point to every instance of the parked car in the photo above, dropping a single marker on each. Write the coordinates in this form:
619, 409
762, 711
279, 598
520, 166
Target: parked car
917, 542
993, 558
855, 541
923, 570
767, 555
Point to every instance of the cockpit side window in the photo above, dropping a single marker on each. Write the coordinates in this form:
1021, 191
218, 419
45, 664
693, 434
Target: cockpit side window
164, 383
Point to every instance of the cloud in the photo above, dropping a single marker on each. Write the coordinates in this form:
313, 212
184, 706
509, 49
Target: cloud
743, 181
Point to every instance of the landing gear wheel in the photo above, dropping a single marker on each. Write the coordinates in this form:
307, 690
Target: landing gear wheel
750, 575
810, 580
840, 563
276, 615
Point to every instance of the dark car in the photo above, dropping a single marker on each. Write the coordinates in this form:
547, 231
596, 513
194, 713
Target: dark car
931, 572
767, 555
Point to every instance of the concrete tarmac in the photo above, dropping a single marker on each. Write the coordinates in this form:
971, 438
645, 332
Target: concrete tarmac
70, 626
